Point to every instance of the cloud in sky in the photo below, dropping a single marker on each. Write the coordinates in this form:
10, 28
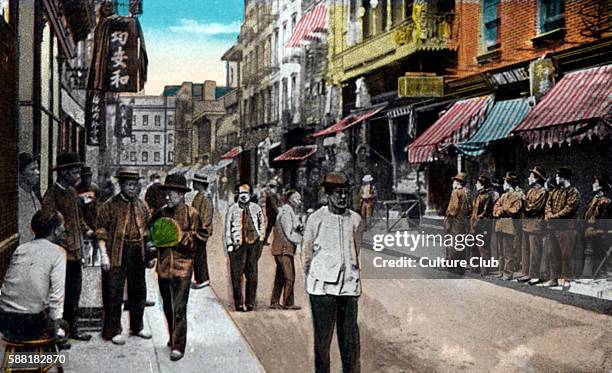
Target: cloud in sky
196, 27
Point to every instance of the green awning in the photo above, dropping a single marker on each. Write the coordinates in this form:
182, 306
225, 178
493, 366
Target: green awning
503, 118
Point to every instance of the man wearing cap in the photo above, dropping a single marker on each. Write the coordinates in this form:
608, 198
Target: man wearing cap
88, 200
243, 238
480, 221
367, 194
154, 196
533, 215
330, 255
175, 263
121, 233
203, 204
597, 224
560, 212
63, 197
270, 203
507, 211
457, 216
29, 180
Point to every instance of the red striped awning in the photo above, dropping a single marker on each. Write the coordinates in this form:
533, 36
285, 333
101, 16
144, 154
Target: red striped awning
347, 122
297, 153
570, 109
460, 122
233, 153
311, 23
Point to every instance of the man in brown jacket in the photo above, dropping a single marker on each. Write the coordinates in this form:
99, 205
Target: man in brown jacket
597, 225
507, 210
457, 216
63, 197
204, 206
121, 233
533, 215
560, 212
175, 264
480, 222
287, 235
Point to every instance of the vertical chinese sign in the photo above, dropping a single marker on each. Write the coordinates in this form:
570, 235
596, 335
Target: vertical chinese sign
122, 65
95, 117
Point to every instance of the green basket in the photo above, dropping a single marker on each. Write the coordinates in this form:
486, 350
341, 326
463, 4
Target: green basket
165, 232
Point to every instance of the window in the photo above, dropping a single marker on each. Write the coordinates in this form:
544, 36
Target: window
285, 102
157, 139
293, 21
156, 157
133, 156
158, 120
145, 139
397, 11
145, 156
170, 156
133, 139
551, 15
294, 92
170, 138
145, 120
133, 120
490, 23
171, 120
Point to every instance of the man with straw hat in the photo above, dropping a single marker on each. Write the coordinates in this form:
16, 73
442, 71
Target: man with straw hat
533, 217
203, 204
480, 221
457, 216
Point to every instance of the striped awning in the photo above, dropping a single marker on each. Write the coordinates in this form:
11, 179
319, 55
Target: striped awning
579, 106
457, 124
311, 23
233, 153
348, 122
297, 153
500, 121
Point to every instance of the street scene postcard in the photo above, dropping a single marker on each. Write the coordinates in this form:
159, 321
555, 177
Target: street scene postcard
299, 186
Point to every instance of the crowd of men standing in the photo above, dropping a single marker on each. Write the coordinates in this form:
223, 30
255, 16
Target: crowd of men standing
522, 228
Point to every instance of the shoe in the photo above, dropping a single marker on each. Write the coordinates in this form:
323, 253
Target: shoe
566, 284
200, 285
64, 346
80, 336
142, 334
507, 277
241, 309
550, 283
176, 355
534, 281
149, 303
293, 307
118, 340
249, 308
275, 306
524, 279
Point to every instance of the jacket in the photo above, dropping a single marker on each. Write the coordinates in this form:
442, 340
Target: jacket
457, 212
562, 204
111, 222
535, 202
598, 213
286, 236
233, 223
482, 210
508, 208
65, 200
204, 207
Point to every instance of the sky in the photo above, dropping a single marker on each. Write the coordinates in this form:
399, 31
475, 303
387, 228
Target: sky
185, 40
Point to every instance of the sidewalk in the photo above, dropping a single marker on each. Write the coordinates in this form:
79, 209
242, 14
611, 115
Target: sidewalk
214, 343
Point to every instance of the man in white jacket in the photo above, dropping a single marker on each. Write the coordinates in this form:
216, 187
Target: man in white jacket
243, 236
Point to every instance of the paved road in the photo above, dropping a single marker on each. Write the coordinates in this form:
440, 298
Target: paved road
462, 325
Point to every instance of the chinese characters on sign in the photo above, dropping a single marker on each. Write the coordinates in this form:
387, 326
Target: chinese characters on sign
95, 117
122, 65
123, 121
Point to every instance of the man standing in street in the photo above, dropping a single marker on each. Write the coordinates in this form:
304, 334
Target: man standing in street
175, 262
62, 196
269, 203
597, 230
560, 212
507, 210
121, 233
367, 195
29, 179
154, 196
480, 222
457, 217
243, 237
533, 217
202, 202
330, 255
287, 235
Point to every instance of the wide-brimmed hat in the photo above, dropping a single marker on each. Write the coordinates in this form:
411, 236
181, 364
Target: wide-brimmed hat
539, 172
335, 180
484, 180
86, 171
367, 178
127, 174
460, 177
176, 182
603, 180
511, 177
25, 159
564, 172
65, 160
199, 178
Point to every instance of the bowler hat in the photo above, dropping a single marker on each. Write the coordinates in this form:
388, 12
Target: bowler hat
460, 177
539, 172
176, 182
25, 159
564, 172
335, 180
69, 159
603, 180
200, 178
511, 177
86, 171
127, 174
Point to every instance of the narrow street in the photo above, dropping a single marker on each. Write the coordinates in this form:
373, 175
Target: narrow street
426, 326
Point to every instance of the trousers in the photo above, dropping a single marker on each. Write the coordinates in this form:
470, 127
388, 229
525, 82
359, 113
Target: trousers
175, 295
243, 263
284, 279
